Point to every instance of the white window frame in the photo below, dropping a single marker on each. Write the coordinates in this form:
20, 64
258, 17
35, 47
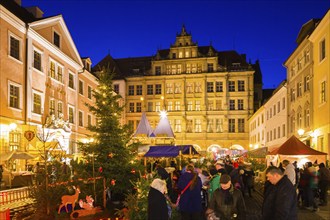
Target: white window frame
81, 91
54, 31
74, 114
42, 98
20, 98
41, 60
74, 80
82, 119
10, 34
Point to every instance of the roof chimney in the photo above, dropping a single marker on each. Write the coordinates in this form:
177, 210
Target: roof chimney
19, 2
35, 10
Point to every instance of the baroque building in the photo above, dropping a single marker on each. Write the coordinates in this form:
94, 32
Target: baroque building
44, 84
208, 94
308, 77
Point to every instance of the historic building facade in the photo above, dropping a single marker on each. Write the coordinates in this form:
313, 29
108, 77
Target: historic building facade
308, 85
208, 94
44, 83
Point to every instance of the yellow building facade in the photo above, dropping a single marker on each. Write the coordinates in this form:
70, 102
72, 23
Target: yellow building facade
308, 85
208, 95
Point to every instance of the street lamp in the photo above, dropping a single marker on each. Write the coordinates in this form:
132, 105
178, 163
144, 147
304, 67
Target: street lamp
301, 132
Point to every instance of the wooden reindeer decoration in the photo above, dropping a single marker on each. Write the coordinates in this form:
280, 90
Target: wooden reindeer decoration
69, 199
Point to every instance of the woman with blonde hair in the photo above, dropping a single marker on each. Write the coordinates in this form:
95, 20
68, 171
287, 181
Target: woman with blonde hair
157, 206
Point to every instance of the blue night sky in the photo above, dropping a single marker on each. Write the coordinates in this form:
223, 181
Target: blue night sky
264, 30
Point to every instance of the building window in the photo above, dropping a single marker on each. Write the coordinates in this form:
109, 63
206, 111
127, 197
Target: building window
89, 92
130, 90
57, 39
158, 70
14, 48
231, 125
189, 106
150, 106
210, 67
157, 109
150, 89
138, 107
299, 120
293, 94
81, 117
322, 50
210, 87
307, 118
198, 125
71, 115
52, 107
241, 124
59, 73
169, 88
198, 87
37, 60
278, 132
219, 87
240, 104
36, 103
139, 90
210, 106
81, 87
283, 103
306, 83
158, 89
241, 86
52, 70
177, 125
278, 106
231, 86
209, 126
190, 88
116, 88
197, 105
59, 109
89, 120
131, 107
323, 92
231, 104
218, 104
274, 109
189, 126
71, 81
169, 106
177, 106
177, 89
14, 96
299, 89
218, 125
174, 55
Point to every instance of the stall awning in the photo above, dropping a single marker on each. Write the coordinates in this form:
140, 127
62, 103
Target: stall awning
170, 151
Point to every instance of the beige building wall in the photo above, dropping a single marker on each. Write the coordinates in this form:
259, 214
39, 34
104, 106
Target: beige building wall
39, 78
276, 118
257, 125
320, 38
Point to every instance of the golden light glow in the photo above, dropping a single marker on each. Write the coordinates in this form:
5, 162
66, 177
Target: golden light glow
12, 126
301, 132
163, 114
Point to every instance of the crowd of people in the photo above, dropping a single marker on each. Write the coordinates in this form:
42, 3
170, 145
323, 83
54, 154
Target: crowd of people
218, 191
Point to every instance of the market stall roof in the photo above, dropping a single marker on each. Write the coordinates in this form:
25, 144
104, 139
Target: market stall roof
293, 146
16, 155
258, 153
170, 151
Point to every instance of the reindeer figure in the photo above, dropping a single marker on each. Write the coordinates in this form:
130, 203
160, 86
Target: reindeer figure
69, 199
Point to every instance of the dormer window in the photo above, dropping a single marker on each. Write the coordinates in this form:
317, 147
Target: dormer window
174, 55
57, 40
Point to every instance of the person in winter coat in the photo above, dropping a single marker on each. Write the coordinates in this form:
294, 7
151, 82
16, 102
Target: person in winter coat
227, 202
324, 182
157, 206
190, 203
280, 201
214, 182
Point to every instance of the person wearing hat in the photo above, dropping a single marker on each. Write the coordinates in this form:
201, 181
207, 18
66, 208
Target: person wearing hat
227, 202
